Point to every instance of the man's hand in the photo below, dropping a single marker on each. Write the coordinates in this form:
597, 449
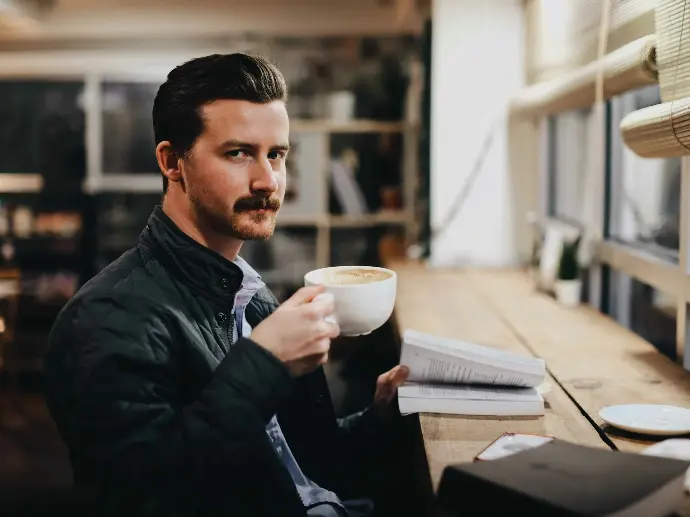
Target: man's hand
297, 332
387, 385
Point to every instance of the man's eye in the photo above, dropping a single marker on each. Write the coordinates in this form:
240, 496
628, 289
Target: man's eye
276, 155
237, 153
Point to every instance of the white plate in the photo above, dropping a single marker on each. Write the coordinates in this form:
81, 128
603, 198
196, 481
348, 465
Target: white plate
648, 418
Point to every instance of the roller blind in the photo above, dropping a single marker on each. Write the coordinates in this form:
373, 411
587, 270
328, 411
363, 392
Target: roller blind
627, 68
562, 35
673, 28
663, 131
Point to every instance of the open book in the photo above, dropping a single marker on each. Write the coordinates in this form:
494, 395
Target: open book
451, 376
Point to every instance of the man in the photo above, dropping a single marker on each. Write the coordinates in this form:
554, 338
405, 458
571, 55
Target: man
165, 404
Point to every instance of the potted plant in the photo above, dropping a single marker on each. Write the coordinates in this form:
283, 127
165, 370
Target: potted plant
569, 284
534, 262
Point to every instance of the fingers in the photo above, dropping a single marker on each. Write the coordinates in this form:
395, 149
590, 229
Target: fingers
319, 347
388, 383
395, 377
318, 353
384, 394
319, 311
399, 375
321, 306
311, 363
304, 295
333, 329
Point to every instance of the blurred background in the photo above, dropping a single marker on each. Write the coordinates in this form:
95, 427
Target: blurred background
78, 177
435, 130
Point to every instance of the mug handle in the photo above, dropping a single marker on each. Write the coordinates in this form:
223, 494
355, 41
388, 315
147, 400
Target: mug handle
323, 296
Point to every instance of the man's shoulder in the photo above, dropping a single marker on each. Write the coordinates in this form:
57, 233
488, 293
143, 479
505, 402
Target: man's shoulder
126, 290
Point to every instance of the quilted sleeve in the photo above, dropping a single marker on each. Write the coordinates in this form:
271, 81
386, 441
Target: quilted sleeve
113, 375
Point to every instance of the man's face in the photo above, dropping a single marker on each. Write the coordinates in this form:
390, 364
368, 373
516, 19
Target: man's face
234, 175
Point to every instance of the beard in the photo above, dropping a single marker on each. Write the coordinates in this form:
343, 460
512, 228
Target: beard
242, 223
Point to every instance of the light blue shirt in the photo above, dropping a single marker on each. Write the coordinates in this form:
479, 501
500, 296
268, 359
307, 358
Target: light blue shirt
312, 495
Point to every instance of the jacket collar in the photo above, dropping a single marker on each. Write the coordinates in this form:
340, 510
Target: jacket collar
201, 268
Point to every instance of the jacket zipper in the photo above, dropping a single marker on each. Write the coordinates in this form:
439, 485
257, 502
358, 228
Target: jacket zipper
231, 329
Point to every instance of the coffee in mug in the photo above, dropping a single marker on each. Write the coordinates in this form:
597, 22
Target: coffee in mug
364, 296
354, 276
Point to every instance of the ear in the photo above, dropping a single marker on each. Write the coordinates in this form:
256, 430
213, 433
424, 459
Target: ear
168, 161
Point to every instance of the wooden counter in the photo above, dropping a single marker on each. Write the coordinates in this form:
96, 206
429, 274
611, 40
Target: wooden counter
592, 361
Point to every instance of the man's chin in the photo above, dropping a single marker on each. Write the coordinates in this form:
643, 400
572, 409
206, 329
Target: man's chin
255, 235
254, 230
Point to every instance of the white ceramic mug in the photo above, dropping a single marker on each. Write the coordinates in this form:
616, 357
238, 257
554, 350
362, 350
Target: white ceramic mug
363, 305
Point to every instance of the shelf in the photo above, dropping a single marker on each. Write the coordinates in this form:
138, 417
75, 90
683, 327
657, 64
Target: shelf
353, 126
368, 220
343, 221
19, 183
45, 246
300, 221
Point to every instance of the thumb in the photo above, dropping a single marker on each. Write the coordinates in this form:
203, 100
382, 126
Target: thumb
394, 377
304, 295
401, 374
398, 375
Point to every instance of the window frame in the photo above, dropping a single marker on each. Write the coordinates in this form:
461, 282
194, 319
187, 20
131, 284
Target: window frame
636, 262
94, 68
32, 182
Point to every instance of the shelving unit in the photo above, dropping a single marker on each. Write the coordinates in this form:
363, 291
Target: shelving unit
322, 220
313, 138
308, 216
353, 126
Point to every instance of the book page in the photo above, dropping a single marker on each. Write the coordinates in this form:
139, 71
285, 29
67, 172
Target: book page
465, 392
432, 366
473, 351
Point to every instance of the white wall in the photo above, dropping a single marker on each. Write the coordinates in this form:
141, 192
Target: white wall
573, 158
477, 65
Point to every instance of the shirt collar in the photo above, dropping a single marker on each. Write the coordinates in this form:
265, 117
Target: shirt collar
202, 269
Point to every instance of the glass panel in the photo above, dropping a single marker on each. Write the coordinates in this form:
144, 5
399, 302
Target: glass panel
644, 193
128, 143
569, 143
42, 129
646, 311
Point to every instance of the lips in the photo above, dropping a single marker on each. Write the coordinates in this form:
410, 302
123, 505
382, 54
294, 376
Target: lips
257, 204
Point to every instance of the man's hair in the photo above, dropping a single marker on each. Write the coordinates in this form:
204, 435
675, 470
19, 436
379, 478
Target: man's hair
177, 107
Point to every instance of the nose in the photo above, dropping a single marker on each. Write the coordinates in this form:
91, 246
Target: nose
264, 177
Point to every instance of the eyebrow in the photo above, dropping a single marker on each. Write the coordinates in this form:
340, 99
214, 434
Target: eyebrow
248, 145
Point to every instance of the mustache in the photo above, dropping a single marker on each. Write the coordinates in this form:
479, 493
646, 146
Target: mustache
257, 203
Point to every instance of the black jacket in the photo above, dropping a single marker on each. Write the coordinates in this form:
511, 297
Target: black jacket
161, 415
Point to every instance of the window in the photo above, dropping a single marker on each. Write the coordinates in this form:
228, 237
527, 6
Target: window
128, 142
569, 142
643, 309
42, 129
644, 193
637, 284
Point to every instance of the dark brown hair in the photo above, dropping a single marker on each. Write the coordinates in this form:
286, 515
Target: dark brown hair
176, 114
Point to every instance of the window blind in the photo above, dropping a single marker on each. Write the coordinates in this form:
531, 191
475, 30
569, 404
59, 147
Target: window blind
663, 131
562, 35
673, 28
629, 67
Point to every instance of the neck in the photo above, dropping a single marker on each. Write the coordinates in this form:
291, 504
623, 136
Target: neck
181, 214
